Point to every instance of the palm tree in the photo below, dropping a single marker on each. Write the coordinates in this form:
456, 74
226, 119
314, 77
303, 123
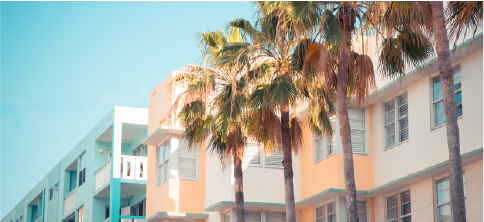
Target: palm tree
352, 74
216, 86
430, 18
274, 41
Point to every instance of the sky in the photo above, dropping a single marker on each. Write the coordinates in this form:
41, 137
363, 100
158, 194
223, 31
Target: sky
65, 65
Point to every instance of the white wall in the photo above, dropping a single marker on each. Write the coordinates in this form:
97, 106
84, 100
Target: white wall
427, 147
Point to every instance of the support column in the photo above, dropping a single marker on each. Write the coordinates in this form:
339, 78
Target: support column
115, 190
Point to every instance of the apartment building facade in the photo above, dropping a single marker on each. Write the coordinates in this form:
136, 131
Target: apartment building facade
135, 166
103, 178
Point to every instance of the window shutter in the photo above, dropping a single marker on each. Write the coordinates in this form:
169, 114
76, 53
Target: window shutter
275, 216
332, 138
252, 155
361, 206
274, 160
253, 216
357, 126
187, 163
403, 117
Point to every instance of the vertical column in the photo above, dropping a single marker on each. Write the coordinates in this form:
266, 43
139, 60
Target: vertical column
174, 181
115, 190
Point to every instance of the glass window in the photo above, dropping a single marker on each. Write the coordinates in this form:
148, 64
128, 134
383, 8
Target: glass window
396, 121
81, 214
361, 207
326, 212
56, 189
390, 124
399, 207
443, 203
163, 167
438, 102
51, 193
253, 216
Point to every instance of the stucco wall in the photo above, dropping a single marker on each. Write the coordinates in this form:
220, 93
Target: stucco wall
429, 144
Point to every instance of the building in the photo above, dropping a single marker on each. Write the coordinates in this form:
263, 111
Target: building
400, 158
102, 177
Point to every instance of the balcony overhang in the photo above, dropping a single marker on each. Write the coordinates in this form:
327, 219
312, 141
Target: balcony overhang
430, 172
224, 205
161, 133
162, 216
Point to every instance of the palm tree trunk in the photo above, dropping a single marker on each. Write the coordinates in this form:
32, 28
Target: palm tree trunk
239, 186
287, 163
453, 139
344, 122
345, 133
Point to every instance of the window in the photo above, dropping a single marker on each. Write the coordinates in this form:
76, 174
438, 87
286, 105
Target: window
325, 145
396, 120
21, 218
139, 209
81, 214
51, 193
141, 150
227, 217
106, 213
361, 207
275, 216
163, 165
358, 131
253, 216
82, 166
444, 212
399, 208
56, 188
326, 212
274, 159
438, 102
252, 155
187, 163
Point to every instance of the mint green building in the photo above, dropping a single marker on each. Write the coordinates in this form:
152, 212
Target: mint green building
103, 178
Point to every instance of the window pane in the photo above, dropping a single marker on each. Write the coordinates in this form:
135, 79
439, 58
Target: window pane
390, 141
439, 107
458, 98
406, 209
405, 197
402, 99
443, 197
331, 207
402, 110
440, 119
389, 117
167, 171
457, 84
320, 212
443, 184
392, 201
437, 82
403, 123
438, 94
389, 106
392, 213
407, 219
167, 153
253, 216
444, 210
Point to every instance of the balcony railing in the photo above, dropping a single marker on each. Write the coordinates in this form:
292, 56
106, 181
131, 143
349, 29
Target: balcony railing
131, 218
70, 202
134, 167
103, 175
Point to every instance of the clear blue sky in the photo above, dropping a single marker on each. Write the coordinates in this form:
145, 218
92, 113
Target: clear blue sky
65, 65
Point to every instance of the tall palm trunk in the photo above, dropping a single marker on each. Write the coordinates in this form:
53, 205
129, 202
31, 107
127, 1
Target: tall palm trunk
239, 185
287, 163
453, 139
344, 122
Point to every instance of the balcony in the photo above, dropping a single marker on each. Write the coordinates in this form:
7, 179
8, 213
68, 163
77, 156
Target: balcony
103, 175
131, 218
134, 167
70, 202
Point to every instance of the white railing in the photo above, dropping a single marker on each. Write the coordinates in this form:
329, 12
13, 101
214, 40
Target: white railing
103, 175
70, 202
134, 167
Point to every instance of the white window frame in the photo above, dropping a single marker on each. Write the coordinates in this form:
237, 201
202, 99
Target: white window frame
396, 121
163, 168
399, 204
197, 162
455, 70
140, 149
325, 205
435, 192
328, 141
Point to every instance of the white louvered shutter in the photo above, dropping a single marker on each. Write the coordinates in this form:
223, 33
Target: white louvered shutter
187, 163
252, 155
253, 216
362, 216
227, 217
357, 126
275, 216
332, 138
274, 160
